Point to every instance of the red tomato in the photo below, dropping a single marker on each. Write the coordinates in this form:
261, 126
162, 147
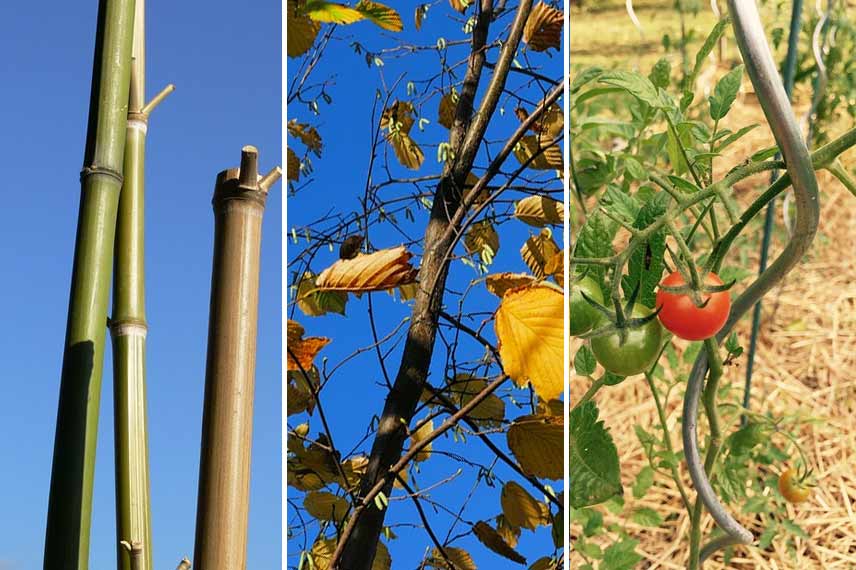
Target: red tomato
681, 316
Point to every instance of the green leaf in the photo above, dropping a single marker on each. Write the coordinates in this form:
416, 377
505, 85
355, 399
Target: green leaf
731, 137
643, 482
584, 77
683, 184
621, 204
661, 73
646, 516
704, 51
794, 528
725, 93
584, 361
764, 154
610, 379
634, 169
646, 270
593, 470
637, 85
757, 504
588, 549
595, 240
766, 538
621, 555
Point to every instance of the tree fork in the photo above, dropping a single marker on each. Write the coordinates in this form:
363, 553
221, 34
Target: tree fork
357, 551
224, 472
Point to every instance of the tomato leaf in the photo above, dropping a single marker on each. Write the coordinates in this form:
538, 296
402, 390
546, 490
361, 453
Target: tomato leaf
725, 93
584, 361
593, 464
646, 270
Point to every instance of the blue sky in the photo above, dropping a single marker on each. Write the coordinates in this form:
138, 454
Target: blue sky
355, 392
202, 47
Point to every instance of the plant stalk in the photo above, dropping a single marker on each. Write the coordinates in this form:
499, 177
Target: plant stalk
73, 469
224, 471
128, 328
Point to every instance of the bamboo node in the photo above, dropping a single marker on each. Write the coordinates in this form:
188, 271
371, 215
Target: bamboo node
96, 170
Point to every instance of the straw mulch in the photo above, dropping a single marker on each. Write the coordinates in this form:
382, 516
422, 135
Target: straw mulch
805, 365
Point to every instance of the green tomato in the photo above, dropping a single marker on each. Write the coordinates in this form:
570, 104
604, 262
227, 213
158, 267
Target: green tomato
583, 316
637, 354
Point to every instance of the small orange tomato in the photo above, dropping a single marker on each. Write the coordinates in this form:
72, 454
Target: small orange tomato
792, 487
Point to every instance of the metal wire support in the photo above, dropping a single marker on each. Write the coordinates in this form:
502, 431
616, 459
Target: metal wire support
788, 73
761, 69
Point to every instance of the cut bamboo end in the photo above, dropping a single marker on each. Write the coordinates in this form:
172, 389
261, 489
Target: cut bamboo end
249, 171
245, 182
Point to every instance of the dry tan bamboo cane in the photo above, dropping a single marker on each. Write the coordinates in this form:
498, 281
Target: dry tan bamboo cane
224, 471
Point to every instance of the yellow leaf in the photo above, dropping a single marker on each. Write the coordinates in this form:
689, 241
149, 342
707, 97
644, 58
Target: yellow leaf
315, 303
550, 407
292, 166
299, 396
301, 31
325, 506
539, 211
406, 150
354, 469
460, 5
333, 13
499, 283
547, 156
383, 16
460, 559
509, 533
304, 349
538, 251
544, 563
522, 509
494, 541
307, 134
537, 443
551, 123
489, 412
418, 436
555, 267
448, 103
408, 291
543, 28
322, 551
398, 117
482, 238
397, 120
384, 269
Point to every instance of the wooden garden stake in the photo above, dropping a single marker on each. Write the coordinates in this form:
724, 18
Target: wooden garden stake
224, 471
128, 326
73, 469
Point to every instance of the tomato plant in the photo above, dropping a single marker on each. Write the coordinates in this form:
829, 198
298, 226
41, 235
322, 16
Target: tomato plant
657, 226
683, 318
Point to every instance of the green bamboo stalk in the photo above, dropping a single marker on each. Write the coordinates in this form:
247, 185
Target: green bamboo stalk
128, 327
70, 503
224, 472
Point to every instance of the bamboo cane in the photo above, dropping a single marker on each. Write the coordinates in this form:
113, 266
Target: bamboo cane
128, 326
224, 471
70, 503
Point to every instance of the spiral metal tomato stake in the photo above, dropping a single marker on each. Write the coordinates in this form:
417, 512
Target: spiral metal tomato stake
774, 102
